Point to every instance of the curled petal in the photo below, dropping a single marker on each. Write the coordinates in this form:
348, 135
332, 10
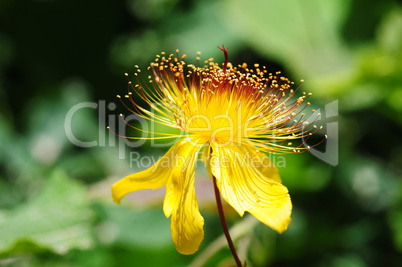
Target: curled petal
154, 177
187, 223
247, 188
181, 202
176, 169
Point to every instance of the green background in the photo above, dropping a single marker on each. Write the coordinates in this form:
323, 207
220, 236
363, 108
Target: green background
55, 203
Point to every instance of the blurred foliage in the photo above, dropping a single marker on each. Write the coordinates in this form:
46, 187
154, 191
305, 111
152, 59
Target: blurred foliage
55, 203
59, 219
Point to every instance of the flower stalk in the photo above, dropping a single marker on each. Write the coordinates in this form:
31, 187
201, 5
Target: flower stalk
224, 224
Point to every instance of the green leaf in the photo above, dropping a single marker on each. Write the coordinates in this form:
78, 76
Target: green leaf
58, 218
299, 175
305, 35
135, 227
201, 28
395, 220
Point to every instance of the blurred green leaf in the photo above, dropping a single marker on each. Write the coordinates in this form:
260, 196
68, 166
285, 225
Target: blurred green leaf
298, 174
151, 10
395, 220
305, 35
373, 186
345, 260
57, 218
49, 126
200, 28
390, 31
378, 69
7, 50
263, 244
142, 228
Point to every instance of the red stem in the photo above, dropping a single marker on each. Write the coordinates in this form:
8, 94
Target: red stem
224, 224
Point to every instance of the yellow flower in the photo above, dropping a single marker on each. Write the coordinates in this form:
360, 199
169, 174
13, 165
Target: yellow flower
231, 116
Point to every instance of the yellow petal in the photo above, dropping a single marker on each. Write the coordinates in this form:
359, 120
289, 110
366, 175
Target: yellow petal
154, 177
181, 202
206, 158
262, 162
246, 188
187, 223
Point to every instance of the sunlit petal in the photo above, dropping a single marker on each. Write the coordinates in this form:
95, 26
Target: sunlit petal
262, 162
246, 188
181, 202
154, 177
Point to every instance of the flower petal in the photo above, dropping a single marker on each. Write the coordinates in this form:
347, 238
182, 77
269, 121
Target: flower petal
247, 188
154, 177
262, 162
181, 202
